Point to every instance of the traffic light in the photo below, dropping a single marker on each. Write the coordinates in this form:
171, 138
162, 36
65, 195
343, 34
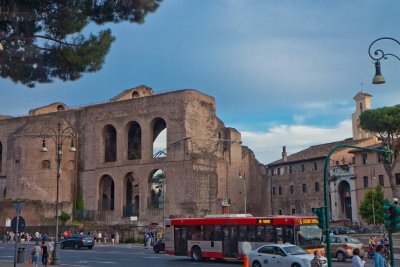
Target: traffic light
391, 217
320, 212
388, 211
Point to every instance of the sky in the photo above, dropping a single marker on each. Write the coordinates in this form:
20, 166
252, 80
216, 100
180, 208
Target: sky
282, 72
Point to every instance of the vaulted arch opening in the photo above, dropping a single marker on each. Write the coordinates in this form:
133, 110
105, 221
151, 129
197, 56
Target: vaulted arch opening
159, 134
110, 143
106, 193
1, 155
157, 188
134, 141
345, 200
131, 207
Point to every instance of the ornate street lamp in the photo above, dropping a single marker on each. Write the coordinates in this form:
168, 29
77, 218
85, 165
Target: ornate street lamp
58, 136
377, 56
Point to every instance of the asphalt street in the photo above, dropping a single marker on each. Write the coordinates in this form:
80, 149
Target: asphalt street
127, 255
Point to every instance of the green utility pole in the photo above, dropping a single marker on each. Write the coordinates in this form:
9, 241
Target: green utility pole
327, 215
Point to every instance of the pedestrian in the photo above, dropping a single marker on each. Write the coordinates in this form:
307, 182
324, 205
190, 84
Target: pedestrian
35, 255
99, 237
117, 238
113, 238
45, 254
356, 260
51, 249
379, 259
105, 238
316, 262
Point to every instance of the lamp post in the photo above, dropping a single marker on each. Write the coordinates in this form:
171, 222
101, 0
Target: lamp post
244, 191
377, 56
326, 208
58, 136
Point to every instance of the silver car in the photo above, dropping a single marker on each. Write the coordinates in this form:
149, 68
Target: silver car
282, 255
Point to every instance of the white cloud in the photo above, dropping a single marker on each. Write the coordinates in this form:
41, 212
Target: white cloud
268, 146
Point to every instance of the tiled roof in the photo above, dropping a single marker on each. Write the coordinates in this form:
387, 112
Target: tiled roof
314, 152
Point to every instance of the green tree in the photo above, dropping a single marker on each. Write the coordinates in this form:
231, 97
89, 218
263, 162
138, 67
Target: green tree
367, 210
64, 217
44, 40
384, 123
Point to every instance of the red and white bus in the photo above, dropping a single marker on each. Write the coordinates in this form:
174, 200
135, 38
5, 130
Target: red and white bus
221, 236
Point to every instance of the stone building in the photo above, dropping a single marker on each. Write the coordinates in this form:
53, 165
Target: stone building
117, 166
296, 181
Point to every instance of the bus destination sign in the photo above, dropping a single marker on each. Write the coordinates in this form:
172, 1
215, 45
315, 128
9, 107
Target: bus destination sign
264, 221
308, 221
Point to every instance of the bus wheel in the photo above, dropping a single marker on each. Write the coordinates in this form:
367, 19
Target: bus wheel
196, 254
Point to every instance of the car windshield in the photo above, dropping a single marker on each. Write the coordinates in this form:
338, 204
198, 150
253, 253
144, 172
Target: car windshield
352, 240
309, 235
294, 250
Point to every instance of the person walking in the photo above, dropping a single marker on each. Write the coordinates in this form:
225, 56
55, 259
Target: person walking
51, 249
117, 238
99, 236
316, 262
379, 259
45, 254
356, 260
35, 255
105, 237
113, 238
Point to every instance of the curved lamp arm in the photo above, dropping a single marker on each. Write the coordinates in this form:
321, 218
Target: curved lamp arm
379, 53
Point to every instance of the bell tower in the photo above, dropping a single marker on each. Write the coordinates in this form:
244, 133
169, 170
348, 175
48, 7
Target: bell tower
363, 102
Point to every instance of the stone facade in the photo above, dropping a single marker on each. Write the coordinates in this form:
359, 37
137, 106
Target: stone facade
117, 168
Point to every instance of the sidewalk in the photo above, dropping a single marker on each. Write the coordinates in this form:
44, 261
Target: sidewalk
11, 264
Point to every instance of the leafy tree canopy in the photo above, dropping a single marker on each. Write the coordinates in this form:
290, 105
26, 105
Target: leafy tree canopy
384, 123
371, 205
43, 40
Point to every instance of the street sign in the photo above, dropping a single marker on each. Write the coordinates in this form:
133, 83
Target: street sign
19, 205
21, 224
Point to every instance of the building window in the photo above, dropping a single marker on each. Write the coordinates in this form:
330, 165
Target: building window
273, 191
279, 171
302, 168
290, 169
365, 181
280, 212
397, 178
315, 166
291, 189
293, 211
316, 187
365, 159
353, 160
381, 180
381, 157
46, 164
304, 188
280, 190
272, 172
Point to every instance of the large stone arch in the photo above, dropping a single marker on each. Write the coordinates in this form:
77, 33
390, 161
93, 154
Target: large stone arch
158, 128
110, 143
157, 188
131, 195
345, 203
134, 140
106, 193
1, 156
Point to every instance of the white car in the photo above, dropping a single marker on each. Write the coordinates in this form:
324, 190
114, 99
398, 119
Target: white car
282, 255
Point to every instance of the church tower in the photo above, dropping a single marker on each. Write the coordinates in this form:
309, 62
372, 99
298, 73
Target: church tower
363, 102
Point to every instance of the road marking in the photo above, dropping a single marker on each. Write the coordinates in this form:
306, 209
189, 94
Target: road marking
101, 262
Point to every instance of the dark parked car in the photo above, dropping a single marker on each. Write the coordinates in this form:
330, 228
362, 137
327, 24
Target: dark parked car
77, 241
159, 246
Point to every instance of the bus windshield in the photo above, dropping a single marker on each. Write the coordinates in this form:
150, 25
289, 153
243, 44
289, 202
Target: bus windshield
309, 235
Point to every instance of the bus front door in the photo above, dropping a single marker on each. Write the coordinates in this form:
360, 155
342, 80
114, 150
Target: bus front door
180, 241
230, 242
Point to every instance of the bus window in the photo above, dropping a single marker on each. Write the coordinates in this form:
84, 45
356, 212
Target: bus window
270, 234
209, 232
251, 233
195, 232
279, 235
242, 233
309, 236
218, 233
288, 234
260, 233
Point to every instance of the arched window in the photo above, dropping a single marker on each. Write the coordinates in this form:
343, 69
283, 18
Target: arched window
1, 156
5, 193
135, 94
46, 164
157, 188
60, 108
110, 143
361, 107
134, 141
106, 193
159, 132
131, 207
